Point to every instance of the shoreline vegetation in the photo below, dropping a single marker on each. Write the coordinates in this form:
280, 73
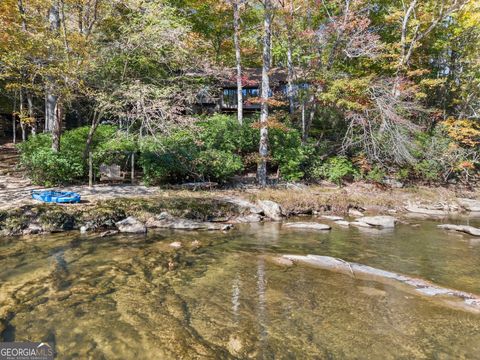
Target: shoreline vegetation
219, 209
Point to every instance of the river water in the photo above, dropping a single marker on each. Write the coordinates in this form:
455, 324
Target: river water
221, 296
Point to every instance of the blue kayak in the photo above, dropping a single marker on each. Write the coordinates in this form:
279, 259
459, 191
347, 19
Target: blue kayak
51, 196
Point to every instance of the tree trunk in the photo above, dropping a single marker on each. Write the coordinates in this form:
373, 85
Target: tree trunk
290, 60
53, 122
304, 123
236, 40
263, 147
22, 114
31, 115
57, 127
95, 122
14, 121
50, 110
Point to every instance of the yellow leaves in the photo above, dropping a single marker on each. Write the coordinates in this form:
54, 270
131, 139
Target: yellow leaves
464, 131
432, 83
418, 72
393, 16
420, 95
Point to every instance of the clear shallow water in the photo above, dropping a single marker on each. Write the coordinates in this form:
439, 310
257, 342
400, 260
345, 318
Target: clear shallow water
133, 297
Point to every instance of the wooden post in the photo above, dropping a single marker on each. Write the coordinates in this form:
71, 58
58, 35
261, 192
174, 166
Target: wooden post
90, 170
133, 168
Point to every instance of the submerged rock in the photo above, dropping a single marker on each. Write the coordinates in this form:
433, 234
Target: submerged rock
461, 228
131, 225
33, 228
332, 217
271, 209
360, 224
109, 233
165, 221
382, 221
469, 204
308, 225
449, 297
176, 245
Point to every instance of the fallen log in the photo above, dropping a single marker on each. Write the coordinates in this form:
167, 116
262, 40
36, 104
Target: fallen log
449, 297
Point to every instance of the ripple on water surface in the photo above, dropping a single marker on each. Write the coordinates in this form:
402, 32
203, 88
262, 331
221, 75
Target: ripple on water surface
131, 297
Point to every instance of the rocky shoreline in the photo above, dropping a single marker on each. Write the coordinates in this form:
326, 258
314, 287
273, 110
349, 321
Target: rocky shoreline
130, 215
191, 211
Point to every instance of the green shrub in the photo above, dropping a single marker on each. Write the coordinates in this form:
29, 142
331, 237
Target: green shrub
375, 175
428, 170
288, 153
169, 158
335, 169
223, 132
218, 165
50, 168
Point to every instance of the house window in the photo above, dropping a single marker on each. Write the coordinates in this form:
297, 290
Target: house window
230, 96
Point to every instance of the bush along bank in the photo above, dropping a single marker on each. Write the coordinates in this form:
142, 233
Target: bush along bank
217, 148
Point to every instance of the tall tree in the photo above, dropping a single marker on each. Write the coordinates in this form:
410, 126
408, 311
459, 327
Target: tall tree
263, 146
238, 59
53, 122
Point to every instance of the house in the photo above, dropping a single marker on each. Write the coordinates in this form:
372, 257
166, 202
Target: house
226, 96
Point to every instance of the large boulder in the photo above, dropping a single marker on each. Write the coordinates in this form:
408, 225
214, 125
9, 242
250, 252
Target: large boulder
383, 221
271, 209
244, 205
308, 225
250, 218
469, 204
131, 225
354, 212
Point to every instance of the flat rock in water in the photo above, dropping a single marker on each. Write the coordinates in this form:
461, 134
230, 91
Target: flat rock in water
332, 217
448, 297
461, 228
131, 225
469, 204
271, 209
185, 224
382, 221
109, 233
360, 224
308, 225
342, 223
